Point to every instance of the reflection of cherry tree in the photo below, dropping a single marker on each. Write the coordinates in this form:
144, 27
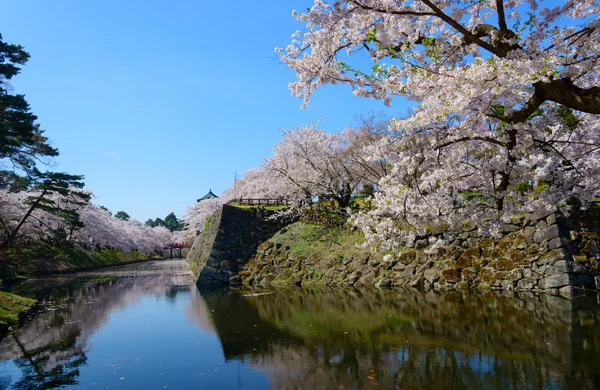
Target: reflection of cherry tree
508, 95
359, 339
50, 366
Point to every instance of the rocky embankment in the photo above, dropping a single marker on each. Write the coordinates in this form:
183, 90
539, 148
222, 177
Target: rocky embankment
542, 251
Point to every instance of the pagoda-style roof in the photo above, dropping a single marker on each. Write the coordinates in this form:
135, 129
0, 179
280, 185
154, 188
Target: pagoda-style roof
210, 195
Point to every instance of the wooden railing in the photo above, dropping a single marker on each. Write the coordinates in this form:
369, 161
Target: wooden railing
260, 202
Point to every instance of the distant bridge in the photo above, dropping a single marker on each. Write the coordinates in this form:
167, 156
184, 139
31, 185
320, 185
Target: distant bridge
178, 248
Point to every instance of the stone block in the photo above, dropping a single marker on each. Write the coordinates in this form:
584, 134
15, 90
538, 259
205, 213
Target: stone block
469, 274
424, 267
541, 213
467, 225
571, 292
591, 249
421, 257
546, 234
420, 244
451, 275
554, 256
416, 282
555, 281
462, 285
527, 283
558, 242
265, 246
561, 280
507, 285
432, 275
410, 270
567, 266
516, 275
506, 228
529, 231
399, 267
486, 244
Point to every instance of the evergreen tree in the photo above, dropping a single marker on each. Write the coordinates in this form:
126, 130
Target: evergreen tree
22, 142
122, 215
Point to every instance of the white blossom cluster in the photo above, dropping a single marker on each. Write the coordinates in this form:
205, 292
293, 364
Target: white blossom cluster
100, 230
508, 96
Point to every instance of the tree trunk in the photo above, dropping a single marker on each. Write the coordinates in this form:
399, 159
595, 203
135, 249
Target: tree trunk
13, 234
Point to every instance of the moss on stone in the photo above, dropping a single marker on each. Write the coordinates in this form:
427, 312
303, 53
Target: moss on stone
451, 275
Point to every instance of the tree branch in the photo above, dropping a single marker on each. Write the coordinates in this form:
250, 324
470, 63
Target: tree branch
501, 16
461, 29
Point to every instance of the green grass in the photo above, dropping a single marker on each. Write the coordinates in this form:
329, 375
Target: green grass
43, 257
10, 307
596, 203
361, 203
305, 239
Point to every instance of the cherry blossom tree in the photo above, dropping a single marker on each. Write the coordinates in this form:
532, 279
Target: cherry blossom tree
315, 163
96, 228
195, 216
507, 91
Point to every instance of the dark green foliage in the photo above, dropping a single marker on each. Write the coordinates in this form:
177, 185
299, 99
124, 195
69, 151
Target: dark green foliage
172, 223
367, 190
328, 216
122, 215
567, 115
105, 209
22, 142
523, 187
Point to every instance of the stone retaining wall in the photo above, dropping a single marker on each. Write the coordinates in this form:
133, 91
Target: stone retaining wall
543, 251
228, 241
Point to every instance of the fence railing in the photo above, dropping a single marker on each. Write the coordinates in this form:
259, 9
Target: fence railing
260, 202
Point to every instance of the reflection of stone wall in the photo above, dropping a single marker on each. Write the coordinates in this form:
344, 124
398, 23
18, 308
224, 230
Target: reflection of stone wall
228, 242
540, 251
239, 326
351, 338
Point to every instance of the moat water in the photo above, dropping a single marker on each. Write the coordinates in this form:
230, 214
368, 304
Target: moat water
146, 326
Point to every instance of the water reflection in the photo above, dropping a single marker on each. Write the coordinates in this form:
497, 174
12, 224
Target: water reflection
352, 339
155, 330
49, 351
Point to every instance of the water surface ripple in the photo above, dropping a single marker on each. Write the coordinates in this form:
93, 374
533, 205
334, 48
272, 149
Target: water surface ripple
146, 326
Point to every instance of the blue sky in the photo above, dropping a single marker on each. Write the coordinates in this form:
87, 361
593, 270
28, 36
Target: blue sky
155, 102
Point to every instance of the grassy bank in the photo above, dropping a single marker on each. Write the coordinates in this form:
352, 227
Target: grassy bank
43, 258
11, 306
305, 239
17, 264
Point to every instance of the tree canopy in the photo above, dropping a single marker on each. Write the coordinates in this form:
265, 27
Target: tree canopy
507, 94
122, 215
